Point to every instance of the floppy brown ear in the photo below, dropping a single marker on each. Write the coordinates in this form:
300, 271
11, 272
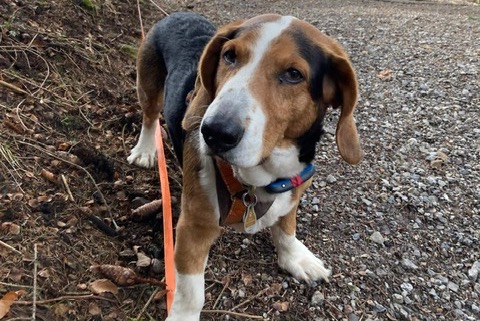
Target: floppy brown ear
340, 89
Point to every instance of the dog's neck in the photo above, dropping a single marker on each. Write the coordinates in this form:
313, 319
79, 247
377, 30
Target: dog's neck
282, 163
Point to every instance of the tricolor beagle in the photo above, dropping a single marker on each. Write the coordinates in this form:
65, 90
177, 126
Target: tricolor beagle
248, 136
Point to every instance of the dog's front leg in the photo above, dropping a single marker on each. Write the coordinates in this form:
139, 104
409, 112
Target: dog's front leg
293, 255
193, 243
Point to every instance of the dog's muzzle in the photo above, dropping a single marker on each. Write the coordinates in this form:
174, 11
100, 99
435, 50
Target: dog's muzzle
221, 135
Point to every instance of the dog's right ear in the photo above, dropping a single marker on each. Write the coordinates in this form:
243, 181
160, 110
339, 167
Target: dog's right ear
208, 65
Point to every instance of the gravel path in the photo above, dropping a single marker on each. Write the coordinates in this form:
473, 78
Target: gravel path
402, 230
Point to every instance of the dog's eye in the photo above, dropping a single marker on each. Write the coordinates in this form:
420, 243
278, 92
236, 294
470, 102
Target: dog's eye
292, 76
230, 57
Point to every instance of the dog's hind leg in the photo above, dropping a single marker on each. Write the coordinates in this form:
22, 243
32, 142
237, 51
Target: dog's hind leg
151, 74
293, 255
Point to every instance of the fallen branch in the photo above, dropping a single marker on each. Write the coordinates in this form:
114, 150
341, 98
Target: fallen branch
11, 248
69, 192
13, 87
67, 297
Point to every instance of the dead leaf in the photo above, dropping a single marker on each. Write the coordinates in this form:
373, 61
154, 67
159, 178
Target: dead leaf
103, 285
64, 146
7, 301
94, 309
281, 306
10, 228
44, 273
274, 289
247, 278
385, 75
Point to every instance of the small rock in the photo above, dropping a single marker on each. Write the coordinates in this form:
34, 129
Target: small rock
377, 238
331, 179
474, 271
397, 298
475, 308
353, 317
317, 299
408, 264
379, 308
356, 236
407, 287
452, 286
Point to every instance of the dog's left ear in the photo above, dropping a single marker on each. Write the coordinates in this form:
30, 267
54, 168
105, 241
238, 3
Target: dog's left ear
340, 89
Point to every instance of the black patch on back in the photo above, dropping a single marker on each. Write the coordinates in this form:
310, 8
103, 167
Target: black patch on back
320, 66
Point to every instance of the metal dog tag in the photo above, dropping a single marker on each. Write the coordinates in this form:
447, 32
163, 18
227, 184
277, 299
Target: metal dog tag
249, 216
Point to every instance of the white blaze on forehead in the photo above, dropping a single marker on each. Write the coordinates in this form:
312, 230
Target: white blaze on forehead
268, 32
236, 94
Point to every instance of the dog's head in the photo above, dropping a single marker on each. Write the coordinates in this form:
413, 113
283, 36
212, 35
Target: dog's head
266, 83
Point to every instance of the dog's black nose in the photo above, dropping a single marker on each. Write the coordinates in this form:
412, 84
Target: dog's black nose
221, 135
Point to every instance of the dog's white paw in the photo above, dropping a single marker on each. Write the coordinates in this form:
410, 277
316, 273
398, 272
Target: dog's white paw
144, 154
294, 257
301, 263
142, 157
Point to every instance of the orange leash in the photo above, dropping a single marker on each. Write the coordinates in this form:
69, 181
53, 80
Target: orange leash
167, 219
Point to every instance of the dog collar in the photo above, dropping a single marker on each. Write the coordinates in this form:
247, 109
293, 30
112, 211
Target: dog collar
232, 194
285, 184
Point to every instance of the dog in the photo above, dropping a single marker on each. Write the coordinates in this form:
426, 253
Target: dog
244, 107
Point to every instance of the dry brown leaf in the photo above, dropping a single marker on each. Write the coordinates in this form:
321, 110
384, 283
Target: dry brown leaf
385, 75
103, 285
247, 278
64, 146
94, 309
274, 289
7, 301
49, 176
10, 228
281, 306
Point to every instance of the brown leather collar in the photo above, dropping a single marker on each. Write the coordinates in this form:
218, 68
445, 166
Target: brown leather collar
230, 193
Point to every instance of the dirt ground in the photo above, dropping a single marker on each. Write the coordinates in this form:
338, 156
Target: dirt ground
401, 231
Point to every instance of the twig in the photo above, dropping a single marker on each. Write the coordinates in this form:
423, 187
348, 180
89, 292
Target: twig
16, 285
150, 299
17, 110
158, 7
66, 297
250, 299
141, 26
35, 267
13, 87
11, 248
69, 192
220, 295
238, 314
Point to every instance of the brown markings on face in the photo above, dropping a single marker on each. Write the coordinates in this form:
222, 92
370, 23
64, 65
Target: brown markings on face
288, 107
